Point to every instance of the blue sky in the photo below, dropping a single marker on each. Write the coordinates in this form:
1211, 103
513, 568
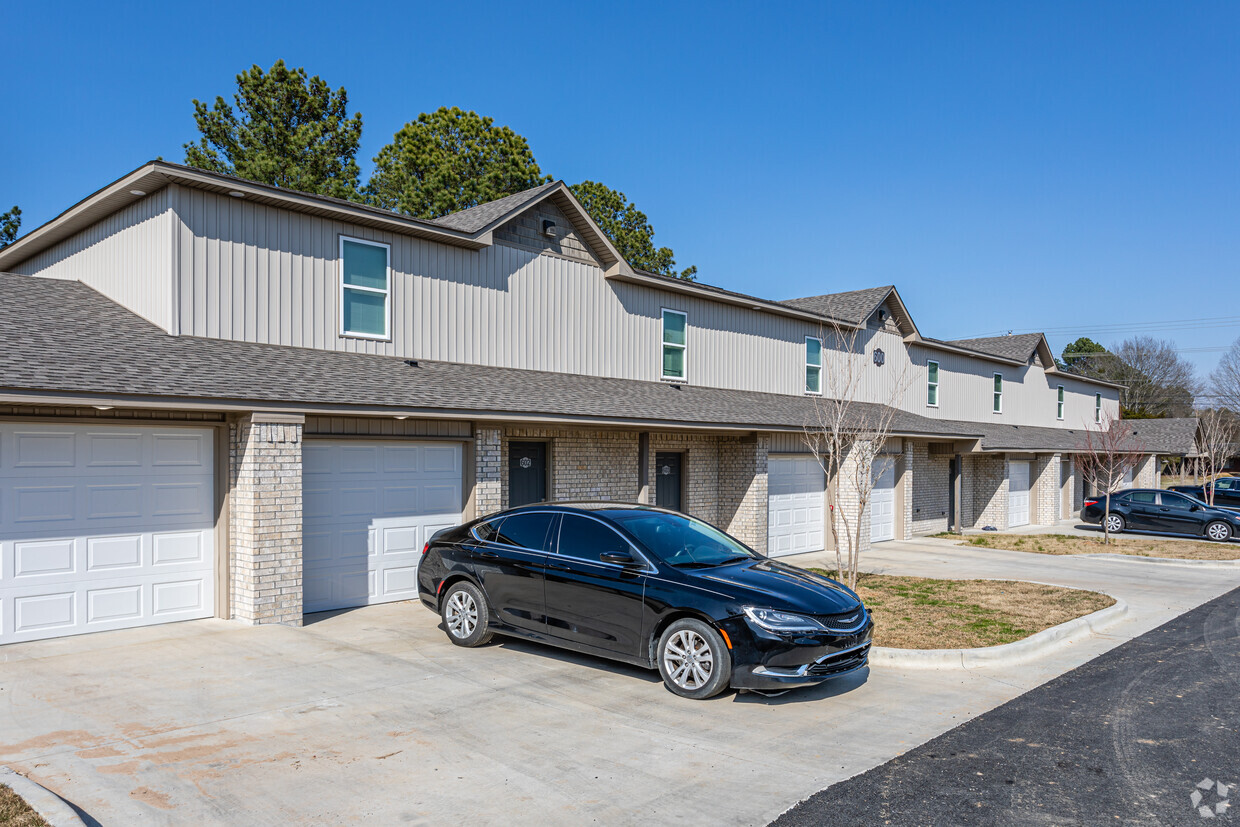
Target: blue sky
1073, 167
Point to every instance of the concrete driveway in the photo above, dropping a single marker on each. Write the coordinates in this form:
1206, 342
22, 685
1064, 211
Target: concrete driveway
372, 715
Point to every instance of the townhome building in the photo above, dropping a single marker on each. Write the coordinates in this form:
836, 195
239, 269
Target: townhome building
221, 398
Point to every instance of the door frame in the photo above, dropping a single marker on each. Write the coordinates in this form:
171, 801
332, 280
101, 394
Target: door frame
684, 477
549, 478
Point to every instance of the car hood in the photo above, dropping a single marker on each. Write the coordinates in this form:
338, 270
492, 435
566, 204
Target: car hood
775, 585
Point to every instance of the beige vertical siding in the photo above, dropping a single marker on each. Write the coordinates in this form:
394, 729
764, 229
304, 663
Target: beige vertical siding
126, 257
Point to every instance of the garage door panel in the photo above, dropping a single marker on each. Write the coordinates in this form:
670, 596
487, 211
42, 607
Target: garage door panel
796, 488
883, 502
104, 528
366, 530
1018, 493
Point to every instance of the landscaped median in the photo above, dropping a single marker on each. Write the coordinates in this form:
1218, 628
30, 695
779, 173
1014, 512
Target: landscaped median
926, 622
1154, 547
15, 812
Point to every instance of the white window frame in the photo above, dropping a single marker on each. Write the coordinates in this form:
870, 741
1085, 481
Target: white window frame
938, 369
808, 339
1097, 408
1059, 403
996, 395
386, 293
663, 343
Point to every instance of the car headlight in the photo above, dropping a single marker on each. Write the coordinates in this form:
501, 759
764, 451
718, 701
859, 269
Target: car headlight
774, 621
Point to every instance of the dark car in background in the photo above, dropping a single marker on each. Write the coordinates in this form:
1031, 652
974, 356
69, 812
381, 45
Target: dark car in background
1170, 512
645, 586
1226, 491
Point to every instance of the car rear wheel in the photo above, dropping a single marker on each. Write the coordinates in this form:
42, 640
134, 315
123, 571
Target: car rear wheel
1219, 532
465, 616
1115, 524
693, 660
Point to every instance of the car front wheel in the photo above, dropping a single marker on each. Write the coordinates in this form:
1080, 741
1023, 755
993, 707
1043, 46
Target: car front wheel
465, 616
693, 660
1115, 524
1219, 532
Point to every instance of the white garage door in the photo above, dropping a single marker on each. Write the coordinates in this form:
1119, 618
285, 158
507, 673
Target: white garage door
796, 491
1018, 493
883, 501
368, 508
104, 527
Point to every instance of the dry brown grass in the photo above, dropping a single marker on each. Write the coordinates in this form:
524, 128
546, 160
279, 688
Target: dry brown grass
1137, 546
15, 812
923, 613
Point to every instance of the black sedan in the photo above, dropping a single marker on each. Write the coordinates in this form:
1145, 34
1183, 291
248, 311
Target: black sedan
645, 586
1149, 509
1226, 491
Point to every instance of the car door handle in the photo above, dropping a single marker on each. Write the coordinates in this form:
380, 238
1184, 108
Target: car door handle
488, 555
557, 567
1164, 509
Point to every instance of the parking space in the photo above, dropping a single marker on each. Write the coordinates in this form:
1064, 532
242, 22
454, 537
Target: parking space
371, 714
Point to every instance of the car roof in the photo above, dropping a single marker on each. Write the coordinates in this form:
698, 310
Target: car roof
585, 507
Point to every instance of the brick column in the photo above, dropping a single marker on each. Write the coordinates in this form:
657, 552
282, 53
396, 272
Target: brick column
265, 518
488, 480
967, 512
907, 469
1145, 474
743, 502
848, 500
1045, 494
990, 490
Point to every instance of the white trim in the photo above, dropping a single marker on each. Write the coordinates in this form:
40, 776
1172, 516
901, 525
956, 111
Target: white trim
664, 344
821, 347
1060, 401
386, 292
938, 369
996, 394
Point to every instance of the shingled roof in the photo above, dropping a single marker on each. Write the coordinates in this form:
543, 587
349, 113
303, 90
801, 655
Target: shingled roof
1174, 437
483, 215
1017, 348
97, 348
853, 306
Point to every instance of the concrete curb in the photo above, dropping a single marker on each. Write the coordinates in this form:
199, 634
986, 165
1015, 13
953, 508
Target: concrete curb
1163, 561
1018, 651
43, 801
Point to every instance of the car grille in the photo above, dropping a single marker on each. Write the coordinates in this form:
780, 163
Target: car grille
847, 622
833, 665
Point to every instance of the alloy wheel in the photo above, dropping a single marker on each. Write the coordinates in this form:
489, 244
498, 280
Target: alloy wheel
688, 659
1218, 531
1114, 524
461, 615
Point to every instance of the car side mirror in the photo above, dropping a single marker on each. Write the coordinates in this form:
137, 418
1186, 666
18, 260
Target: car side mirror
620, 558
1194, 508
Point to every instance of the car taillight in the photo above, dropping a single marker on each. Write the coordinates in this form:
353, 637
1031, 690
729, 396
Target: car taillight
426, 548
1091, 502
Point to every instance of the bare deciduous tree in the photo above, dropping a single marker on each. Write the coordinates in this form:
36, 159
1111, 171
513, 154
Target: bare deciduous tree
1109, 452
1217, 433
1225, 380
1158, 381
846, 434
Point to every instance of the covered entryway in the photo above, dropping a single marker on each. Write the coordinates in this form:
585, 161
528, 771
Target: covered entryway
796, 492
368, 508
104, 527
883, 501
1018, 493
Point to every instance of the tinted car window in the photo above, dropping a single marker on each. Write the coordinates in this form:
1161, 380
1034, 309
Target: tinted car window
1147, 497
487, 530
1225, 485
1176, 500
589, 539
527, 531
682, 541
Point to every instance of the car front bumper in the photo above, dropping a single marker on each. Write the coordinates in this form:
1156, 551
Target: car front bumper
769, 661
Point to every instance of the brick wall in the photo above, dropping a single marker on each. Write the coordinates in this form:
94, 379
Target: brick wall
990, 490
1044, 494
968, 514
265, 520
931, 490
489, 471
1145, 475
850, 521
585, 464
743, 502
906, 478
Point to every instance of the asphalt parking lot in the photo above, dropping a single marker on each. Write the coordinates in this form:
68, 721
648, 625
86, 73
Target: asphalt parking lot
372, 714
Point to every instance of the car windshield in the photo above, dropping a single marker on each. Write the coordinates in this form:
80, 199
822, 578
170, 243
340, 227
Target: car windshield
681, 541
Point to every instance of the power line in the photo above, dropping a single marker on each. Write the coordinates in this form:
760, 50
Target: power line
1204, 323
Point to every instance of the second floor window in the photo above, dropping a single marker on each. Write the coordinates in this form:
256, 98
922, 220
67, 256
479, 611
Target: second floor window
674, 324
932, 384
364, 288
1097, 407
1059, 404
813, 365
998, 404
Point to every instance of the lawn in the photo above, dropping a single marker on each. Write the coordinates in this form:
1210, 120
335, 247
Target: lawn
923, 613
15, 812
1072, 544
